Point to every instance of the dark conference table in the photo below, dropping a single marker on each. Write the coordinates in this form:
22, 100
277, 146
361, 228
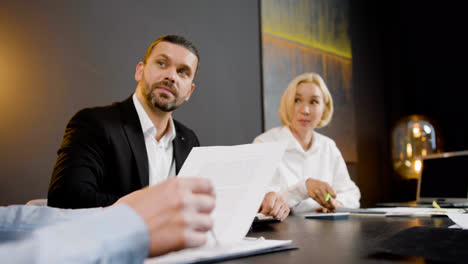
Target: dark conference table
352, 240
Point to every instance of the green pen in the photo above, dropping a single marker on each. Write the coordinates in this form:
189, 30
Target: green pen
327, 197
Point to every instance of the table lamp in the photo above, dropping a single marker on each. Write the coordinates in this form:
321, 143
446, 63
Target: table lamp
413, 138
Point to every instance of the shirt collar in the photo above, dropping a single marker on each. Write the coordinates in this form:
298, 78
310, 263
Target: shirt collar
294, 143
147, 125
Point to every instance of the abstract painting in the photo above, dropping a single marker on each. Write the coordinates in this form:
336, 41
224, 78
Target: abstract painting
310, 36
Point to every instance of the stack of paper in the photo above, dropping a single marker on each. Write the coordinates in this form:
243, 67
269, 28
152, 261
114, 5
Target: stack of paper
245, 247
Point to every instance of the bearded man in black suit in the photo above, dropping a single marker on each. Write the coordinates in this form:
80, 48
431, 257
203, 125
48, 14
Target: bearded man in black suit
108, 152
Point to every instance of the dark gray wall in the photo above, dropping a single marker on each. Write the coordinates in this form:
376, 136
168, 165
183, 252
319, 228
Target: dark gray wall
60, 56
372, 172
408, 58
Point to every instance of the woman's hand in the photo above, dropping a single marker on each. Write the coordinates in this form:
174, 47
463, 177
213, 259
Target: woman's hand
318, 190
336, 204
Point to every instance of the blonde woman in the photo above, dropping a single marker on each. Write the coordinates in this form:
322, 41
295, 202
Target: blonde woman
312, 166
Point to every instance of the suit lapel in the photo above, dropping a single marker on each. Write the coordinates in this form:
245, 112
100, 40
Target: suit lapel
179, 154
182, 145
132, 127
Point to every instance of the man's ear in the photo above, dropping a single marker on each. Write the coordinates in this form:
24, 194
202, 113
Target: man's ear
190, 93
139, 71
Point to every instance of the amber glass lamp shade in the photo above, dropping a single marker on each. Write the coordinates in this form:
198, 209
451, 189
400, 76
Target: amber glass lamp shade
413, 138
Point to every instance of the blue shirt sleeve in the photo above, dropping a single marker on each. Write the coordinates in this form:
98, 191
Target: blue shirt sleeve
20, 217
30, 234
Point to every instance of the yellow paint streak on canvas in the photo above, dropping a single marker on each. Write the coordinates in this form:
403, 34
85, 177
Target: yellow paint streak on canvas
310, 23
311, 58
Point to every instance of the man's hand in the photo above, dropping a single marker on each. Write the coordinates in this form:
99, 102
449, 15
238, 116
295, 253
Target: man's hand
176, 212
318, 190
274, 204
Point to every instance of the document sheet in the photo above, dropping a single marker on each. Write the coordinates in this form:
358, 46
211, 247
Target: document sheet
240, 175
415, 211
461, 219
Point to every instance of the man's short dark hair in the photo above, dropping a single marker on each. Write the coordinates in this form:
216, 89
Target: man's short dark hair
174, 39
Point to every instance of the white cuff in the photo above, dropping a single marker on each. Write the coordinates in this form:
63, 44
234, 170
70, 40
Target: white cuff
296, 193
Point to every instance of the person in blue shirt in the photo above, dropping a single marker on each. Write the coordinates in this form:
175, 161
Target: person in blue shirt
152, 221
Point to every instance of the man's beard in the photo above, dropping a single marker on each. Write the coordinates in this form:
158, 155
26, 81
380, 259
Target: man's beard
162, 100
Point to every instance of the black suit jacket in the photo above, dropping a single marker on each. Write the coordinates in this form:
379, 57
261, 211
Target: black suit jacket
103, 156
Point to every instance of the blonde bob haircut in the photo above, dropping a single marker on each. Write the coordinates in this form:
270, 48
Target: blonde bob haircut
286, 108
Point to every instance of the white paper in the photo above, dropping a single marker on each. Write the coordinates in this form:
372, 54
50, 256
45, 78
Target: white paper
416, 211
207, 252
240, 175
261, 216
460, 219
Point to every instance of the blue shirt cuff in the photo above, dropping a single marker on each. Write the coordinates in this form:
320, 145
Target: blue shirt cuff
115, 235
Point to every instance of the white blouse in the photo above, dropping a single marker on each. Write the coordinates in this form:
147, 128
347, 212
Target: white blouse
323, 161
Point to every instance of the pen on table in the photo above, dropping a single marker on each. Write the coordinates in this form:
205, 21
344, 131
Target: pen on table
436, 205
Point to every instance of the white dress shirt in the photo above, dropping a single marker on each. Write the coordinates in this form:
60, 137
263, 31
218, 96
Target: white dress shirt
161, 162
322, 161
